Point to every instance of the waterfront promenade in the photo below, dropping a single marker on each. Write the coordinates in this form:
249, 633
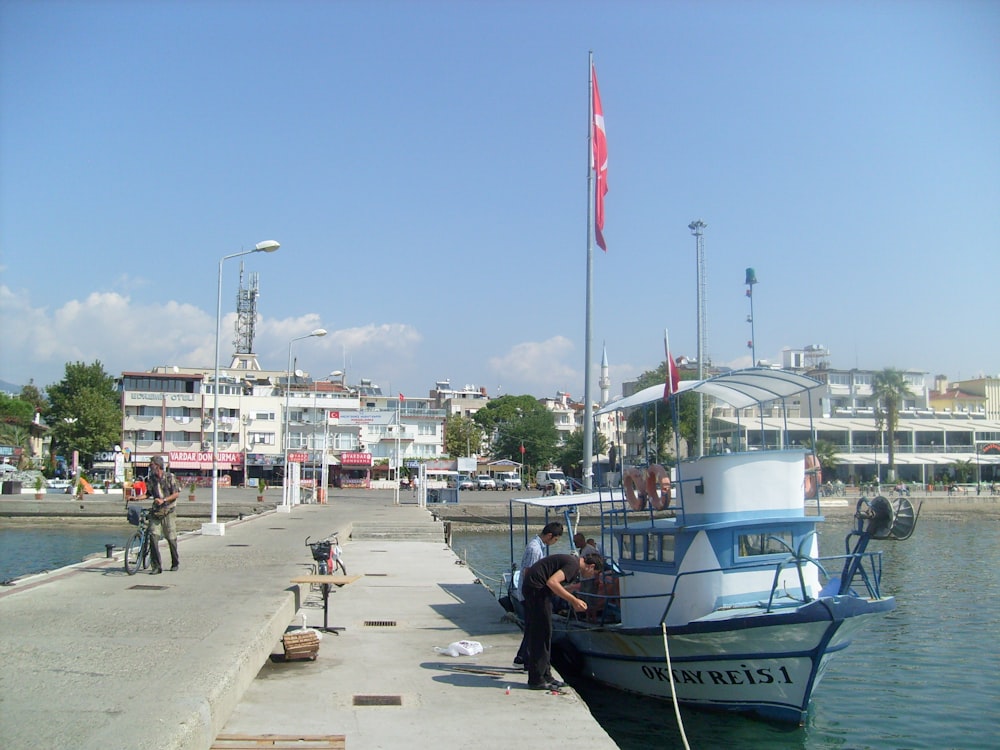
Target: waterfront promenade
93, 658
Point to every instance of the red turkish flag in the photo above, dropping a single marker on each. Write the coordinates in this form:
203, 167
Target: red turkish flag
600, 163
673, 378
522, 449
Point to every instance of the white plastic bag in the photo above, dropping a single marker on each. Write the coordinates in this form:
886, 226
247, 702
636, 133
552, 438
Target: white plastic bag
461, 648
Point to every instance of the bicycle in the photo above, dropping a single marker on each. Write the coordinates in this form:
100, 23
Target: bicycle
137, 546
328, 555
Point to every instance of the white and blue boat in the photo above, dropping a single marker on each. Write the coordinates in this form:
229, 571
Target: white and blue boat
716, 594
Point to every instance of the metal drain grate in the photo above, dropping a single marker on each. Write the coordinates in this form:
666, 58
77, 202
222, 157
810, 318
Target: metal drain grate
237, 545
380, 623
378, 700
147, 587
376, 575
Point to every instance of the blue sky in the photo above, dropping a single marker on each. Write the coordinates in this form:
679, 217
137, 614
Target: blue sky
423, 165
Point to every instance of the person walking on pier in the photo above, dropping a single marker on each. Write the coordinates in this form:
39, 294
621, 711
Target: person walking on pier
544, 578
164, 488
537, 549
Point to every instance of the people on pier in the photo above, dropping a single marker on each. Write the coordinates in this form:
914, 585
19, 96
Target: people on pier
164, 488
586, 547
543, 579
535, 550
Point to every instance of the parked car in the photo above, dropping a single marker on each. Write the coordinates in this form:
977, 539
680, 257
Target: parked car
485, 482
509, 480
551, 481
465, 482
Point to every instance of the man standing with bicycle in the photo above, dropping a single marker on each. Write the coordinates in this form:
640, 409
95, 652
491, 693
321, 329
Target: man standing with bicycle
164, 488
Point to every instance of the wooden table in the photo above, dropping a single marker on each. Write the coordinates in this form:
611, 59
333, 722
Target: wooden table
325, 582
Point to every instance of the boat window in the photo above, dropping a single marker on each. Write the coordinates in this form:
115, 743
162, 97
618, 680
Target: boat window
666, 548
626, 547
639, 547
653, 547
765, 543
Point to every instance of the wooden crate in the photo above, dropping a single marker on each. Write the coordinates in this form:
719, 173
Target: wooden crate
300, 645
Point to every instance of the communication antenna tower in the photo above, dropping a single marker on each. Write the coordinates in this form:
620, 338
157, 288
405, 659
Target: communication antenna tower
246, 313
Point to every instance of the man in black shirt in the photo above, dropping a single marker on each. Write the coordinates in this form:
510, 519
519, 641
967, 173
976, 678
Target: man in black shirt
541, 581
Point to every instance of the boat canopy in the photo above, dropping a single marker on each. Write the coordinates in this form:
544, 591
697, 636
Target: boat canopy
739, 388
561, 501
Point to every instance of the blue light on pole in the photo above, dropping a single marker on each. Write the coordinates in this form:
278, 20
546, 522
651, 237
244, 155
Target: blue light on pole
751, 280
214, 528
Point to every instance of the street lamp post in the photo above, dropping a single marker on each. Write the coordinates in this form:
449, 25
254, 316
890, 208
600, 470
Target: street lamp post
286, 499
214, 528
75, 466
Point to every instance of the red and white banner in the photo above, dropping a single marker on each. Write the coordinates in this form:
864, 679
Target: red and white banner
353, 458
200, 460
599, 141
673, 377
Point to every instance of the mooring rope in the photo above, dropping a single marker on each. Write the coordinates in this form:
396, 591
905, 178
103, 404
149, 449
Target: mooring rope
673, 689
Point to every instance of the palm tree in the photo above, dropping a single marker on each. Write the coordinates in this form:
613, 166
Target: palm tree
889, 387
826, 454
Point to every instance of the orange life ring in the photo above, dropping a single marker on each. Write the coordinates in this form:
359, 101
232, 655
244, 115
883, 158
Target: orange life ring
658, 487
634, 495
813, 476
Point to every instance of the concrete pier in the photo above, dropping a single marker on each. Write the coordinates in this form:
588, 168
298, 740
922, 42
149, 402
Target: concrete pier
93, 658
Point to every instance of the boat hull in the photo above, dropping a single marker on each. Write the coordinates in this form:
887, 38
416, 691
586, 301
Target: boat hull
763, 664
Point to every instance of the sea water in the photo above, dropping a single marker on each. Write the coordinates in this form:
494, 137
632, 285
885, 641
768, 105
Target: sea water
27, 548
927, 675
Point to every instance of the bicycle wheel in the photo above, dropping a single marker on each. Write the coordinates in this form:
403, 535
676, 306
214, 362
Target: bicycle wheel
133, 553
339, 564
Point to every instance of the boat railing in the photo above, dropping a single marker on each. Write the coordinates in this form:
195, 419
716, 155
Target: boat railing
869, 566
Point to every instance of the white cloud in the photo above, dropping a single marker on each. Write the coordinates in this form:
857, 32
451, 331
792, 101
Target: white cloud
538, 367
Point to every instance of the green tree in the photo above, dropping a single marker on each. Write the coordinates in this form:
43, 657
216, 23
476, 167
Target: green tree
462, 436
570, 456
889, 387
84, 411
964, 470
15, 424
514, 421
826, 453
15, 411
34, 396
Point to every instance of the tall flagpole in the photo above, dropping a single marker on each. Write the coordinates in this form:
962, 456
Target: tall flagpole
588, 408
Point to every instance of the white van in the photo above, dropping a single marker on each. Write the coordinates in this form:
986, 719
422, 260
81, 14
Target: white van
551, 480
509, 480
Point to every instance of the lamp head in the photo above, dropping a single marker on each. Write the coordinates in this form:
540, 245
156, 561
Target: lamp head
267, 246
319, 332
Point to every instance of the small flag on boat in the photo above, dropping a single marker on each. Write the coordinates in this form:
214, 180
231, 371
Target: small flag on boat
673, 377
401, 399
599, 142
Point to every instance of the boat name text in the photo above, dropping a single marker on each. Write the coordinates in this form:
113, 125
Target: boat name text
742, 676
